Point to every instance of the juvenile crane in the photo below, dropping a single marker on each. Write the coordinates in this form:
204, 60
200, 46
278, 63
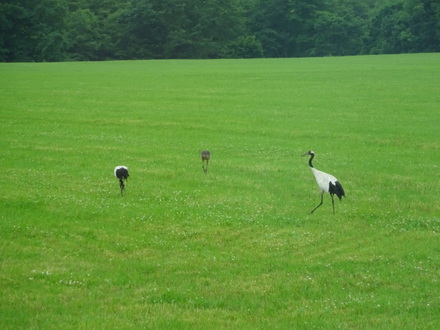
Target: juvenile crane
121, 173
206, 156
326, 182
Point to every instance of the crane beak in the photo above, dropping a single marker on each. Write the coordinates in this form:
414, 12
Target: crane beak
305, 154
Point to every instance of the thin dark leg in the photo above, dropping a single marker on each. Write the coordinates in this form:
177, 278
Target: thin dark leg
333, 203
205, 168
121, 184
322, 200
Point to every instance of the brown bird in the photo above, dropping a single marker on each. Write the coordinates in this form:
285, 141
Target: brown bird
206, 156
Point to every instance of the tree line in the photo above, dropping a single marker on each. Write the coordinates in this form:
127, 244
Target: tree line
94, 30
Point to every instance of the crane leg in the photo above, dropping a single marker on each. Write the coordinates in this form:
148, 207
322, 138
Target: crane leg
205, 168
333, 203
322, 200
121, 184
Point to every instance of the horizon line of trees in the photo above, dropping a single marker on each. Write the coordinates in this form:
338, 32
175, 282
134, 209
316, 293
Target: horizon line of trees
95, 30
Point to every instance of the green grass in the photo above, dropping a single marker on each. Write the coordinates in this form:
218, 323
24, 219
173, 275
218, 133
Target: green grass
238, 247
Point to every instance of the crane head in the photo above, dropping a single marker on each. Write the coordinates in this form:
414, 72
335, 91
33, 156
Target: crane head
309, 153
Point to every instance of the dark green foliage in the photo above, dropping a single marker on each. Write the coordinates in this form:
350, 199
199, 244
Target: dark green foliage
58, 30
32, 32
13, 29
340, 31
245, 47
84, 35
405, 27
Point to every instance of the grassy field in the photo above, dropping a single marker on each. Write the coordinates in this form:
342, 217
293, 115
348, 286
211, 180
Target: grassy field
237, 247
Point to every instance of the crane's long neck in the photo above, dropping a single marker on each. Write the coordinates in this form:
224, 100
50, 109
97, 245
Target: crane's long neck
310, 160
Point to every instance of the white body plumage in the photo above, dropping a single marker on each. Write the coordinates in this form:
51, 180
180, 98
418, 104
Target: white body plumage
323, 179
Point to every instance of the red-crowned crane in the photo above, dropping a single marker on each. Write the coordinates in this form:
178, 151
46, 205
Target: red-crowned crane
206, 156
326, 182
121, 173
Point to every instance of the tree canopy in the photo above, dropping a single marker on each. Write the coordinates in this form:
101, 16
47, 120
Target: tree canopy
60, 30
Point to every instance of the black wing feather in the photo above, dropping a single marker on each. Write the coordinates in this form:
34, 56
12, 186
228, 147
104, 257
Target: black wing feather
122, 173
336, 189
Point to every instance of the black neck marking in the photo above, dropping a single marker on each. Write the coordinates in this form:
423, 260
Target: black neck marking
310, 160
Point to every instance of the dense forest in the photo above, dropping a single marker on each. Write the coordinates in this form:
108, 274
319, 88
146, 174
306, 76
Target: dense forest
93, 30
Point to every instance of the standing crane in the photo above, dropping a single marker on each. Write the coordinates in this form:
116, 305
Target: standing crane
206, 156
121, 173
326, 182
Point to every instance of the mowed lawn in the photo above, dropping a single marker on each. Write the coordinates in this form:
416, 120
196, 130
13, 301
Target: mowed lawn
236, 247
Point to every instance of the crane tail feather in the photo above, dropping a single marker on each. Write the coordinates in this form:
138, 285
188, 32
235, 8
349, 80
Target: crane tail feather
336, 189
121, 173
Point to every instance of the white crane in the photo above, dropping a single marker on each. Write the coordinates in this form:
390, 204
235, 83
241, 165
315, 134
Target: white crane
206, 156
326, 182
121, 173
